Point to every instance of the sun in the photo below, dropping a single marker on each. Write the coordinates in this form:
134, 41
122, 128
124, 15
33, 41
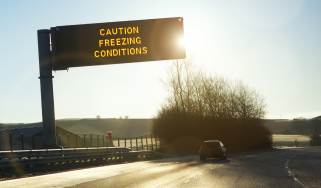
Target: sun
181, 42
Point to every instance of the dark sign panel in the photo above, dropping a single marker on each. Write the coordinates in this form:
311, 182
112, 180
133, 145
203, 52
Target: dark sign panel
117, 42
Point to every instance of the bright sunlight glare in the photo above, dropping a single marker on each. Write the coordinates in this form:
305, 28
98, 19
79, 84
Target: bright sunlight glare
181, 42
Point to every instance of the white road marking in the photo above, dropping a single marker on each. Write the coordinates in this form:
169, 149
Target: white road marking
291, 174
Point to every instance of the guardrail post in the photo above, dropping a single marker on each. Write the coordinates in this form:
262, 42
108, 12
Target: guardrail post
67, 143
136, 148
91, 140
10, 141
146, 143
84, 141
118, 142
97, 144
131, 145
155, 143
125, 142
141, 140
58, 140
104, 141
62, 142
33, 142
22, 141
151, 139
77, 141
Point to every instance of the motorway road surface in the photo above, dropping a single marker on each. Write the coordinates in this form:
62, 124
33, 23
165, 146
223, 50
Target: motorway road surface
290, 167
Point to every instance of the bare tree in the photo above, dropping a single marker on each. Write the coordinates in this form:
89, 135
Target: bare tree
199, 94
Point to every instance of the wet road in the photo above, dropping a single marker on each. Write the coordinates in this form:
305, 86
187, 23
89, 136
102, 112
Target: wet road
291, 167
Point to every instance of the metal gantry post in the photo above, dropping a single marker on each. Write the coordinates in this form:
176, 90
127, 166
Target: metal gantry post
46, 86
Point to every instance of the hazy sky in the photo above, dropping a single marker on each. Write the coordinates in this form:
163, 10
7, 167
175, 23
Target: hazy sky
273, 46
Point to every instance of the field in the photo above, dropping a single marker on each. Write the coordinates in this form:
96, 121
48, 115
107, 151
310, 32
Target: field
290, 140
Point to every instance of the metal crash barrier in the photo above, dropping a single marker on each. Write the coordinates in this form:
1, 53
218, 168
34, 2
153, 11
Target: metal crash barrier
23, 161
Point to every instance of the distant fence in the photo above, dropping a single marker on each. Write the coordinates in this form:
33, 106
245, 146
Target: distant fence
70, 140
138, 143
90, 140
86, 140
20, 142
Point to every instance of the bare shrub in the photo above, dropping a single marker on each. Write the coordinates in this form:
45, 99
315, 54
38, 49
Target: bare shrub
203, 107
210, 96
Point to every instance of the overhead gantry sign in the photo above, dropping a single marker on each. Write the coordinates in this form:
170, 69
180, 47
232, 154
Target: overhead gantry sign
63, 47
117, 42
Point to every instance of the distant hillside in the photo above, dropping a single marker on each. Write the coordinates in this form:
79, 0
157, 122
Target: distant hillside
139, 127
18, 125
299, 126
318, 118
119, 127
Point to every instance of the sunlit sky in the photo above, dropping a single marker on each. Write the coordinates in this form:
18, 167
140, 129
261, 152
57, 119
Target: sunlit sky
272, 46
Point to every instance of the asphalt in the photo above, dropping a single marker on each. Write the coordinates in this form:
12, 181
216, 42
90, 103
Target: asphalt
287, 167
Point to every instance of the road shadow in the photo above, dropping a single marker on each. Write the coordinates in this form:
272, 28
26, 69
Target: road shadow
216, 160
189, 159
176, 159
